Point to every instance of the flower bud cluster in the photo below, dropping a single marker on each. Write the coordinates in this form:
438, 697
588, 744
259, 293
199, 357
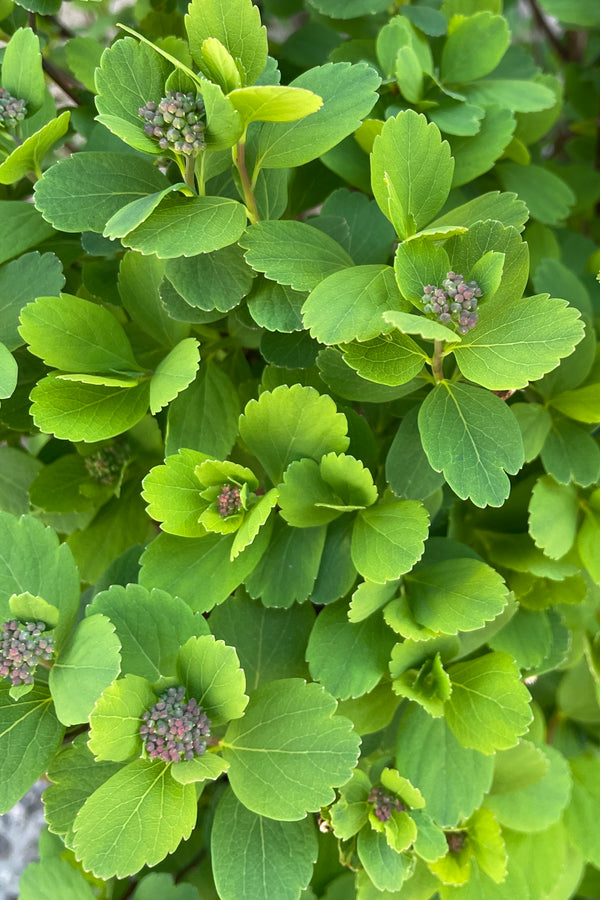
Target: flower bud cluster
229, 500
21, 647
105, 465
384, 804
12, 111
455, 302
174, 730
176, 121
456, 840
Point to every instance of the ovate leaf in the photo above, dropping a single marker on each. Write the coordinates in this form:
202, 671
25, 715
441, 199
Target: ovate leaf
388, 539
474, 46
236, 25
205, 417
174, 373
553, 513
210, 672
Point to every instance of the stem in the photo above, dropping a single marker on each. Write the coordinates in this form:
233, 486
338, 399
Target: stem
437, 360
190, 166
69, 86
542, 23
239, 161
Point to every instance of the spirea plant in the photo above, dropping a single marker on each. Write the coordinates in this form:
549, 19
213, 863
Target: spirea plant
299, 457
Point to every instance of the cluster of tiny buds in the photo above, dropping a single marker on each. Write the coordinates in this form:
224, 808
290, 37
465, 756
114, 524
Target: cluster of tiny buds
176, 121
105, 465
384, 804
12, 111
229, 500
455, 301
174, 730
21, 647
456, 840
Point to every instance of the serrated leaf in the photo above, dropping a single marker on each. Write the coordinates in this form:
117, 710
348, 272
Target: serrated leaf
210, 672
236, 25
570, 453
22, 74
153, 815
472, 436
291, 423
553, 513
29, 155
410, 186
295, 551
166, 623
293, 253
474, 47
174, 373
53, 878
426, 328
386, 868
205, 417
349, 304
473, 156
288, 752
27, 608
210, 281
21, 281
388, 539
314, 494
278, 856
489, 706
503, 207
116, 719
391, 359
172, 492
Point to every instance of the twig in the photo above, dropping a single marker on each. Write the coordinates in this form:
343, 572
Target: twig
542, 22
69, 86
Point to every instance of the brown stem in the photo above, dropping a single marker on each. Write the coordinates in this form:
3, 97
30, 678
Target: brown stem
68, 85
542, 23
63, 30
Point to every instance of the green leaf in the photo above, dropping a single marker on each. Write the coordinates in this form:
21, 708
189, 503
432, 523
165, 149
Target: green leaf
26, 607
277, 860
74, 334
27, 228
213, 280
253, 521
21, 281
86, 412
349, 304
133, 214
425, 328
116, 719
288, 752
274, 103
474, 47
527, 637
388, 539
153, 815
295, 551
314, 494
571, 454
291, 423
472, 436
166, 623
205, 416
466, 251
409, 74
473, 156
489, 707
348, 93
139, 280
455, 595
583, 405
30, 735
293, 253
371, 236
174, 373
9, 372
83, 56
535, 422
199, 571
237, 26
515, 94
28, 157
407, 469
580, 815
577, 12
349, 9
276, 307
452, 778
22, 74
184, 226
81, 193
172, 492
419, 262
210, 672
54, 878
346, 383
204, 768
548, 198
459, 118
87, 664
553, 513
587, 543
17, 471
349, 660
505, 208
411, 172
392, 359
518, 767
32, 561
386, 868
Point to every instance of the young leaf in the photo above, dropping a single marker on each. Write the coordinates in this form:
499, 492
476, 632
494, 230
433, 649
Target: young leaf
474, 47
388, 538
411, 172
386, 868
210, 672
172, 492
288, 752
312, 494
28, 157
153, 815
116, 719
277, 860
22, 74
295, 551
472, 437
392, 359
273, 103
237, 26
553, 512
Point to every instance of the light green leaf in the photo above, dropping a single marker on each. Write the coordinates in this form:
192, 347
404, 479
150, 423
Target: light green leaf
368, 598
207, 767
9, 372
166, 623
411, 172
419, 262
172, 492
456, 117
452, 778
576, 12
153, 815
274, 103
315, 494
548, 198
292, 423
571, 454
82, 192
26, 607
210, 672
473, 156
295, 551
553, 513
21, 281
515, 94
237, 26
174, 373
22, 74
429, 685
277, 860
213, 280
116, 719
474, 47
30, 735
472, 436
518, 767
455, 595
388, 539
527, 637
348, 659
52, 878
465, 253
87, 664
186, 226
489, 706
409, 74
133, 214
386, 868
29, 155
583, 404
581, 814
426, 328
535, 422
83, 57
392, 359
348, 93
349, 304
346, 383
81, 412
139, 280
288, 752
293, 253
253, 521
205, 416
503, 207
77, 335
17, 471
588, 542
